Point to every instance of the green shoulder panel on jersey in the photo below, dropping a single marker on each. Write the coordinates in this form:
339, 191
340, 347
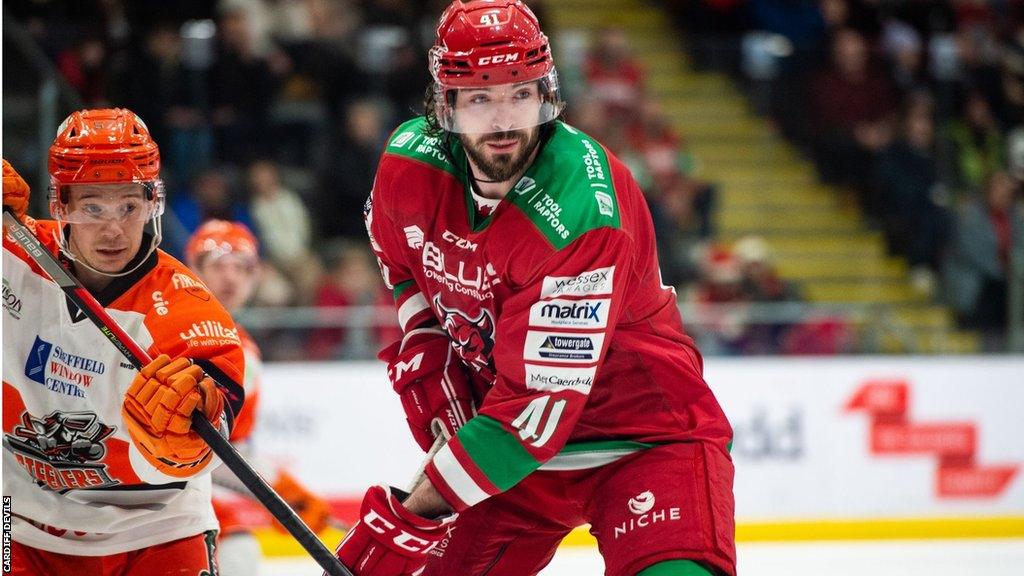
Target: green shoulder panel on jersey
568, 190
411, 141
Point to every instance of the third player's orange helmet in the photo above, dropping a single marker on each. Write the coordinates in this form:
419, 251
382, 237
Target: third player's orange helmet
219, 238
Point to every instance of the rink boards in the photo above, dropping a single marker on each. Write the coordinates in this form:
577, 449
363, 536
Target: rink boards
857, 448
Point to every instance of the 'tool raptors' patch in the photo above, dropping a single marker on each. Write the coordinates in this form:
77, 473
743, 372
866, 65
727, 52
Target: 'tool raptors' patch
62, 451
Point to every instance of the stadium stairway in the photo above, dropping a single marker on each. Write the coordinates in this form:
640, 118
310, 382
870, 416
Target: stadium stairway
766, 188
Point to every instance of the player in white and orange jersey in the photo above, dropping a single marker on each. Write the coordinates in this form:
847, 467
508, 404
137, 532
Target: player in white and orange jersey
105, 474
225, 255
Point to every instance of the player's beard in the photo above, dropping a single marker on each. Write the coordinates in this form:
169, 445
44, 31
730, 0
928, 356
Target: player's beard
501, 167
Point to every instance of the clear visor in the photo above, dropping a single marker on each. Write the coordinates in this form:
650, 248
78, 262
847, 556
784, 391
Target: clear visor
501, 108
123, 203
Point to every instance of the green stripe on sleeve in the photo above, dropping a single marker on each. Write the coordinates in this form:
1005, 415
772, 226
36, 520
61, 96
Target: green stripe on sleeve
496, 452
400, 288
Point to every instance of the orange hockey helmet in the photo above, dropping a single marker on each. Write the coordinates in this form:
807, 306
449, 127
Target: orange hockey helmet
105, 146
218, 238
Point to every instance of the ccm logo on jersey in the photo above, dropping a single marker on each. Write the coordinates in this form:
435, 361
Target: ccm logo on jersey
589, 283
498, 59
551, 379
569, 348
458, 241
401, 538
570, 313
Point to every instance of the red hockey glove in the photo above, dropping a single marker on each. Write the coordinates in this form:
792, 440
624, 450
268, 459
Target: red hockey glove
389, 540
158, 408
432, 382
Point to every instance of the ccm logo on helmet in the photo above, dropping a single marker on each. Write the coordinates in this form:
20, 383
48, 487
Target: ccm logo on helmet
402, 538
498, 59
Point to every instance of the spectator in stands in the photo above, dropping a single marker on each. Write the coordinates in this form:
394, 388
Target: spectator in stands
989, 232
760, 279
283, 223
210, 197
682, 227
722, 312
761, 283
1010, 107
682, 205
351, 280
346, 182
979, 70
904, 51
85, 68
243, 84
800, 21
613, 76
156, 84
913, 200
662, 149
852, 105
980, 149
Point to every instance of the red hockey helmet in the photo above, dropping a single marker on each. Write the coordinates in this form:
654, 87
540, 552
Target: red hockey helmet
216, 238
491, 44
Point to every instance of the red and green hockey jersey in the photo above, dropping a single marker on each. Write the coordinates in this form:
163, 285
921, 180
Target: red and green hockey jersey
555, 299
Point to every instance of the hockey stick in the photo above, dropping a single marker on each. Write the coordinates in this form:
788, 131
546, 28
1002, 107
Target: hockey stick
439, 441
135, 354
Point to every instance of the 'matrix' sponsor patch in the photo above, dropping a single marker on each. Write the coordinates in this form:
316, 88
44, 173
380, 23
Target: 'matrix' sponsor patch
570, 313
589, 283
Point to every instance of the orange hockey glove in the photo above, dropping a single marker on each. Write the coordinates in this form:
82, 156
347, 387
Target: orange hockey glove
16, 192
313, 510
158, 408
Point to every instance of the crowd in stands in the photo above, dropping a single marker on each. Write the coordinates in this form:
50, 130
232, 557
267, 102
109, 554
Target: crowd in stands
274, 112
913, 109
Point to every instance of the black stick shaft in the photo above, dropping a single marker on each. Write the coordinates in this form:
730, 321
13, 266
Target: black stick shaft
139, 358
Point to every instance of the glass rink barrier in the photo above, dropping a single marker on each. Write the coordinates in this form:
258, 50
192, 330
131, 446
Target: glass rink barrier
848, 465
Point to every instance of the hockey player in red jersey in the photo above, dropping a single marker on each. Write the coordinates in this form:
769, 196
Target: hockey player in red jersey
105, 474
225, 256
525, 248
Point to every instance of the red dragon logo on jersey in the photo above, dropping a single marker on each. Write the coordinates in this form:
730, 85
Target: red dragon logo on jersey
473, 338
